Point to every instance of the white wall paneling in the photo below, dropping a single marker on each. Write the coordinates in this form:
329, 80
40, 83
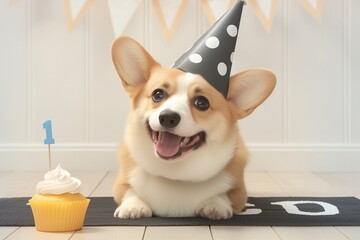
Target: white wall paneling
59, 73
317, 75
353, 50
310, 122
258, 49
109, 103
14, 70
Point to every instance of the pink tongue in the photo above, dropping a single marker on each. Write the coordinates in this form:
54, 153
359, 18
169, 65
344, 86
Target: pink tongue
168, 144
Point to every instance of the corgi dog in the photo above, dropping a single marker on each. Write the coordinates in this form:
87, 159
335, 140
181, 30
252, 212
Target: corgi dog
182, 155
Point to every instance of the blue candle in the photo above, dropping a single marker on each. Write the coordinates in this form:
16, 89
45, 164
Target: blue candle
49, 139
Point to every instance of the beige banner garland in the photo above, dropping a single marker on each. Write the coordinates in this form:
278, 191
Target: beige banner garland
314, 7
214, 10
168, 23
74, 10
120, 21
169, 12
265, 11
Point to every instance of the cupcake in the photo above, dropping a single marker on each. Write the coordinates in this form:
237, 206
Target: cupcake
58, 205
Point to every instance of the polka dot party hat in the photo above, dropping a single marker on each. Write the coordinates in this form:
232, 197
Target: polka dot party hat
211, 56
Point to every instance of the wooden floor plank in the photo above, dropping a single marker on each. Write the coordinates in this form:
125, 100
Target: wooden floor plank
304, 184
260, 184
347, 183
309, 233
30, 233
89, 180
105, 188
6, 231
19, 184
4, 173
243, 233
109, 233
352, 233
178, 233
23, 184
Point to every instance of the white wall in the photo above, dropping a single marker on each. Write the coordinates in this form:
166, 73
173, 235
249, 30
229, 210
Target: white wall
311, 121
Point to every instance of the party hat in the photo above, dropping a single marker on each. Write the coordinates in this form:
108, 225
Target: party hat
211, 56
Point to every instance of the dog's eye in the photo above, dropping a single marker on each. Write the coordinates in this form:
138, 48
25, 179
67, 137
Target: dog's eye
201, 103
158, 95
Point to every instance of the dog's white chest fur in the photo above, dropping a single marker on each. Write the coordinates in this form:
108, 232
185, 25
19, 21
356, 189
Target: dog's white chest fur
176, 198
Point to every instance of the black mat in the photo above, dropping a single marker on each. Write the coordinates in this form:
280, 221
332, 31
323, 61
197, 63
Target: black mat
265, 211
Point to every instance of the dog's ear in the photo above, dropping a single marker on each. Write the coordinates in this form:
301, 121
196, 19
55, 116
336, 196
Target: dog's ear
132, 62
249, 89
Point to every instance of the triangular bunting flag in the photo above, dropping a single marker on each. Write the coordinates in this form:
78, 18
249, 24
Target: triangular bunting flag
214, 9
314, 7
265, 11
120, 17
169, 14
75, 9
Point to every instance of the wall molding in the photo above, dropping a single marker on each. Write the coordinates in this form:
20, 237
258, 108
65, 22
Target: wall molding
88, 93
347, 70
30, 71
286, 73
264, 157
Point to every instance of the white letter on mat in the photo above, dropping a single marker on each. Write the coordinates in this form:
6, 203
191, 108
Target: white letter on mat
291, 208
251, 211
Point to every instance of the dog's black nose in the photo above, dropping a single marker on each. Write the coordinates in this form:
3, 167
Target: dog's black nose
169, 119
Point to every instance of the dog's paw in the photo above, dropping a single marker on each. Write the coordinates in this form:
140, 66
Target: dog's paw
133, 208
215, 208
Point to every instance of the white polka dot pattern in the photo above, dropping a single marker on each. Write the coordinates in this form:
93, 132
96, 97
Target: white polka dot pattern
222, 69
232, 30
212, 55
212, 42
195, 58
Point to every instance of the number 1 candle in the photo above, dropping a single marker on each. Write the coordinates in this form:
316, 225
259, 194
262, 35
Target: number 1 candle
49, 139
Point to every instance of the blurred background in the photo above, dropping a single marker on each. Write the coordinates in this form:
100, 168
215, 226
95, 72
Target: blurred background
55, 64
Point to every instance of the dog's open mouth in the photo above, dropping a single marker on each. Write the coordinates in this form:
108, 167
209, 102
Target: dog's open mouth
170, 146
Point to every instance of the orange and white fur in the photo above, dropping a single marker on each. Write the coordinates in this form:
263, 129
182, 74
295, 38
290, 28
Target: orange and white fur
182, 154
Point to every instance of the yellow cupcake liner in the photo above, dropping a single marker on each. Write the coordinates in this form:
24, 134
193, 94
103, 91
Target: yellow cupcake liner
54, 213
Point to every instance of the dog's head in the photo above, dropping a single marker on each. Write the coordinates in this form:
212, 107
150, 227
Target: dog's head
182, 115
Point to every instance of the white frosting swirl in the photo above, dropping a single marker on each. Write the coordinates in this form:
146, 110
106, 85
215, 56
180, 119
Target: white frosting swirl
58, 181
